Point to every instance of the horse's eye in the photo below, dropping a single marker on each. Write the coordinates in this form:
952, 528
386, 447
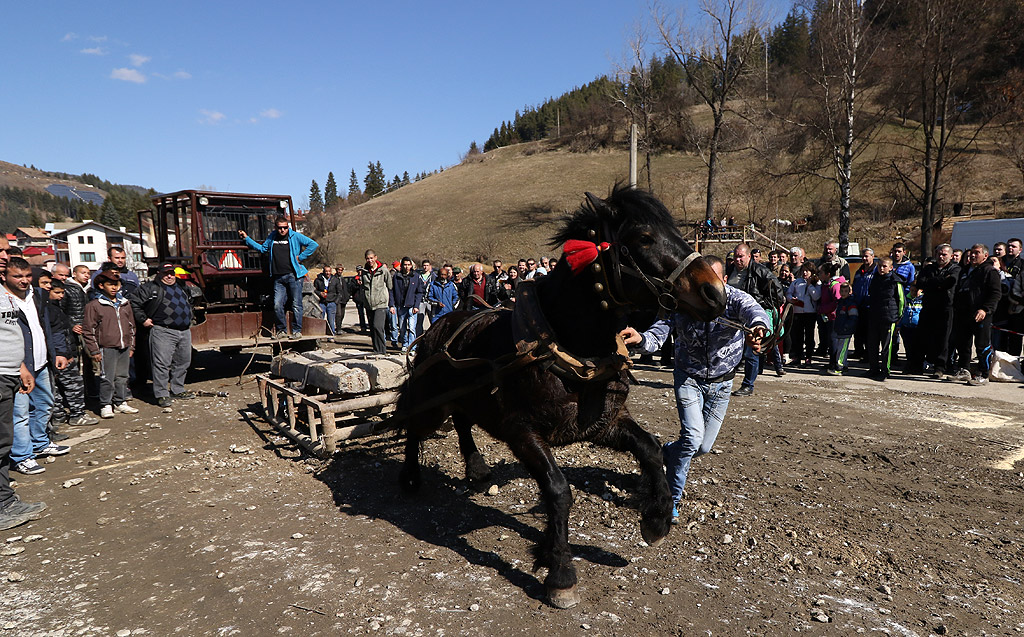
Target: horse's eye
646, 240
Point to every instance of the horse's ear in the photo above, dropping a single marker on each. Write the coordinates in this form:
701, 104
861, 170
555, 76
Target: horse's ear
596, 202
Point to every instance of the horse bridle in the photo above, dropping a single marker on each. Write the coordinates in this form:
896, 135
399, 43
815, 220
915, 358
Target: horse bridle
612, 273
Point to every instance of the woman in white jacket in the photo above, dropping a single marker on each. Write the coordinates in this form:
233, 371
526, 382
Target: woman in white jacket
803, 295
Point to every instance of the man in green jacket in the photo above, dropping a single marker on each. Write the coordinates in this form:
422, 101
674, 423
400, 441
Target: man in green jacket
375, 280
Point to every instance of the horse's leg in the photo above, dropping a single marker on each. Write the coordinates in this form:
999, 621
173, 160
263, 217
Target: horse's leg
409, 477
655, 497
554, 553
476, 468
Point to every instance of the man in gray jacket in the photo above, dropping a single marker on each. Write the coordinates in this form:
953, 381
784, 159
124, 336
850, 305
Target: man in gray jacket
375, 280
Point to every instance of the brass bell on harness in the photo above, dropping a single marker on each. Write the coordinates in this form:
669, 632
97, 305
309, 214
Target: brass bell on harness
598, 288
592, 233
596, 267
604, 305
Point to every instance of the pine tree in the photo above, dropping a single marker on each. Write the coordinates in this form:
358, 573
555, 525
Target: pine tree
353, 183
330, 191
316, 202
375, 181
405, 178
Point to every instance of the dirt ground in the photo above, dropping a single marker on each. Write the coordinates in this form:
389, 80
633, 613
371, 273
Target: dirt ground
830, 506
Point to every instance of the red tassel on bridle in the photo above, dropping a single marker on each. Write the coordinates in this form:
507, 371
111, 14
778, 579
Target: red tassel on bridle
581, 253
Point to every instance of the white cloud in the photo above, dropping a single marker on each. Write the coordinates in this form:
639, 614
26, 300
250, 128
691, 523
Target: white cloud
271, 113
211, 117
94, 51
69, 36
98, 38
138, 60
182, 75
128, 75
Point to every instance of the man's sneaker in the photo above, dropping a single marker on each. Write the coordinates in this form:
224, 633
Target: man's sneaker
29, 467
675, 513
962, 375
125, 408
56, 436
185, 395
938, 373
779, 371
295, 335
34, 510
85, 420
53, 449
743, 391
977, 380
164, 401
107, 411
833, 372
11, 520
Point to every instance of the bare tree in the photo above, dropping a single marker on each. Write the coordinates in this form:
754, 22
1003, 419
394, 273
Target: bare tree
637, 96
717, 55
942, 48
843, 51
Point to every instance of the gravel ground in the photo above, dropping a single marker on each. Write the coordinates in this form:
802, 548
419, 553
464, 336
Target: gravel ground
830, 506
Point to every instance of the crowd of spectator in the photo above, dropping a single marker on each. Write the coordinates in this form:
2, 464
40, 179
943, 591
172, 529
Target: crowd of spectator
70, 332
395, 304
953, 307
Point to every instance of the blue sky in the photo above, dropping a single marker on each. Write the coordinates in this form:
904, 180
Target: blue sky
265, 96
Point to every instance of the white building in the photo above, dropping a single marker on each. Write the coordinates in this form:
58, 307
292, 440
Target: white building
86, 244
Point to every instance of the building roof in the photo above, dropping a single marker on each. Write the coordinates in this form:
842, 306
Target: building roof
32, 251
34, 233
80, 226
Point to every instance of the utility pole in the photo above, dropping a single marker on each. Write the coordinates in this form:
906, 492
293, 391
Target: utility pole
632, 155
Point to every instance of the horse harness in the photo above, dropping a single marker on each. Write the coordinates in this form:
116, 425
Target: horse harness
610, 267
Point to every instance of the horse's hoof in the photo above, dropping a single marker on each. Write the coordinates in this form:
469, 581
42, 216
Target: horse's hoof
563, 597
652, 537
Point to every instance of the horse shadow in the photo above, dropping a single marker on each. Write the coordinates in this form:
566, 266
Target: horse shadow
363, 479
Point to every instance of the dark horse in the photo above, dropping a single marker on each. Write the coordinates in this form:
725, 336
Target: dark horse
553, 372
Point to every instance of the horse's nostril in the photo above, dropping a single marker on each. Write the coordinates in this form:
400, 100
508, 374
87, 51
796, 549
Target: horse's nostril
713, 295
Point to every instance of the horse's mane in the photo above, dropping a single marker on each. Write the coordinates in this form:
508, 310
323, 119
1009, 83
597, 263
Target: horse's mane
639, 206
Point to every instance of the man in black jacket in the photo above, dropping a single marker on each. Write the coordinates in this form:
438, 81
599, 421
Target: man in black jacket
407, 292
757, 281
163, 305
937, 281
977, 294
327, 286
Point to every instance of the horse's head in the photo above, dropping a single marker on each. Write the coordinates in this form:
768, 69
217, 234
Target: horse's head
641, 258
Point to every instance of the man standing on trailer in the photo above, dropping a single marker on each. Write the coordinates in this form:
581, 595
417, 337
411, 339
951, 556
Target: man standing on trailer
288, 249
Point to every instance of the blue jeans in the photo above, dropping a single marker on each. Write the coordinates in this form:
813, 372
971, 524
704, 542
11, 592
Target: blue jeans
701, 409
751, 366
407, 322
393, 326
330, 312
31, 415
284, 286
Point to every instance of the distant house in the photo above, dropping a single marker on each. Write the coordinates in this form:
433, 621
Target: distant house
41, 256
86, 244
29, 236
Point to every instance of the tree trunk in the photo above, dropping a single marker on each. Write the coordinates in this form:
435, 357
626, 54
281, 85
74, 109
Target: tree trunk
709, 211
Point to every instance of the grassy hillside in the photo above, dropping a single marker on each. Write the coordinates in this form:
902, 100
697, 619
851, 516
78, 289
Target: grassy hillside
506, 203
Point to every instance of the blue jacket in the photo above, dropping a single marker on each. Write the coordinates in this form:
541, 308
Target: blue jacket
912, 313
300, 246
862, 284
407, 290
907, 272
708, 352
847, 315
446, 295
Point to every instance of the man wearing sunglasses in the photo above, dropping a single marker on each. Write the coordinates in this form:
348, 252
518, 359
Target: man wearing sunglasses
287, 250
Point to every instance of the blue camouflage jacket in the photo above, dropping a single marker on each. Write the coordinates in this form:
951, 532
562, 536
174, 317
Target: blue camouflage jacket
708, 351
